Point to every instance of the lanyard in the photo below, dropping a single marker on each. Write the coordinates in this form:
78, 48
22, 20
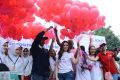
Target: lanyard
26, 65
13, 61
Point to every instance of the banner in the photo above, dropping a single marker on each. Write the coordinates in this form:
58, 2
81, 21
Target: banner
85, 41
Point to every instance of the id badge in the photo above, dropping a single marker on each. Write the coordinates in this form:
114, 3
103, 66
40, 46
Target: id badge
14, 68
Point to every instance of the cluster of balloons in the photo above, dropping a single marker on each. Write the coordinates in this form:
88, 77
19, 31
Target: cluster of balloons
75, 16
13, 15
28, 31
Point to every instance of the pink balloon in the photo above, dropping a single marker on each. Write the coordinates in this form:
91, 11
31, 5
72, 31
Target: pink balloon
67, 7
62, 37
78, 3
40, 3
84, 4
68, 1
29, 3
84, 12
68, 16
74, 12
71, 35
94, 12
57, 19
100, 21
64, 32
92, 7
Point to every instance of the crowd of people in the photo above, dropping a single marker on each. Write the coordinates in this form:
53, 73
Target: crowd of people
39, 63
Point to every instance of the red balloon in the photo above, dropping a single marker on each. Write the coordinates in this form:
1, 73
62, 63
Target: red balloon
100, 21
78, 3
40, 3
68, 1
64, 32
92, 7
62, 37
30, 19
84, 12
28, 3
71, 35
94, 12
57, 19
68, 16
84, 4
67, 7
74, 12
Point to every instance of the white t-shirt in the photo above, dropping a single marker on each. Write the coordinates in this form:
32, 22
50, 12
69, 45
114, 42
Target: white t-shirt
2, 57
118, 55
17, 61
118, 62
65, 63
52, 63
28, 61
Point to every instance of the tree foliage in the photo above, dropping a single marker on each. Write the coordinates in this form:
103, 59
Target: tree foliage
111, 39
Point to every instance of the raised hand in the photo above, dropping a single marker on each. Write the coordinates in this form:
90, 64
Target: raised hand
48, 29
53, 39
55, 30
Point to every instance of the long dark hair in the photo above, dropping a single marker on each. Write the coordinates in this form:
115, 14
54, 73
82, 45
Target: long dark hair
90, 52
60, 53
71, 43
49, 52
84, 58
84, 54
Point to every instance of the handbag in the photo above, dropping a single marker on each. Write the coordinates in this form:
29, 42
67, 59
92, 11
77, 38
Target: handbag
108, 75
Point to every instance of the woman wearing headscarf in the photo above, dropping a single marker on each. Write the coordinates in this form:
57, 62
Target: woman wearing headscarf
27, 63
14, 61
4, 51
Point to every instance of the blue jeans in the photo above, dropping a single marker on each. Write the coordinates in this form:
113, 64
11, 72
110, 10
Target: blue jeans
115, 76
66, 76
37, 77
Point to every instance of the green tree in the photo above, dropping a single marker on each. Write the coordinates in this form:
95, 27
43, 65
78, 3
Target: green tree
111, 39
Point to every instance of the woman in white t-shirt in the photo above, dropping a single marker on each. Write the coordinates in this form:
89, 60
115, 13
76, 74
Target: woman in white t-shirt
118, 55
52, 57
65, 60
53, 61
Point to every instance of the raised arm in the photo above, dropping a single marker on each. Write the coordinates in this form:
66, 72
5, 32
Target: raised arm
39, 36
77, 54
56, 34
51, 45
91, 40
93, 59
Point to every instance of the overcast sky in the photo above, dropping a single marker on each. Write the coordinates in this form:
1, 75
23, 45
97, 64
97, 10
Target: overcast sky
111, 10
